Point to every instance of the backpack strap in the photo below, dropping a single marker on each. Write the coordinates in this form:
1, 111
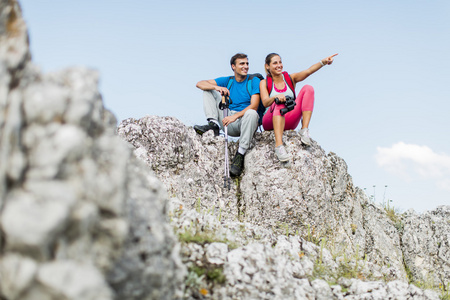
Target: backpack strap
230, 82
261, 109
250, 80
249, 85
289, 82
287, 79
269, 83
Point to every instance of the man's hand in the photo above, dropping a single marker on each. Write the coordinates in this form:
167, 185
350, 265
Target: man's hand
230, 119
222, 90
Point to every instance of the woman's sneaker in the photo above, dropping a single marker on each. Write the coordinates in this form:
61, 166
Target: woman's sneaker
282, 154
304, 136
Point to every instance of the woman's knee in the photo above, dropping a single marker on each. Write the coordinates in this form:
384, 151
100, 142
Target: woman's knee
306, 89
305, 99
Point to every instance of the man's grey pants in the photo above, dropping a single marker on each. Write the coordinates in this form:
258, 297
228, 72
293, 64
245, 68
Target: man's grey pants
244, 127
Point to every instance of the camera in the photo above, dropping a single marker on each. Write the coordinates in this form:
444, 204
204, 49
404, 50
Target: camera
290, 104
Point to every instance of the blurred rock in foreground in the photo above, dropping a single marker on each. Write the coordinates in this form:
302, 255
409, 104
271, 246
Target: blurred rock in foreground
80, 217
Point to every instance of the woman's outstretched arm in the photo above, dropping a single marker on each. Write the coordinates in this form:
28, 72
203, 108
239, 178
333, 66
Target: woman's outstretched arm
302, 75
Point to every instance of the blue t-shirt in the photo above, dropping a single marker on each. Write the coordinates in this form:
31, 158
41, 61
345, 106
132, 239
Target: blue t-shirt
238, 91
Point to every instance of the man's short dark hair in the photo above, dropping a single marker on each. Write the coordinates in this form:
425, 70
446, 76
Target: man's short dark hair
236, 56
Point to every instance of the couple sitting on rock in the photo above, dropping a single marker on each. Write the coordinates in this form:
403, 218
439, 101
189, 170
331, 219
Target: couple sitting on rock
242, 118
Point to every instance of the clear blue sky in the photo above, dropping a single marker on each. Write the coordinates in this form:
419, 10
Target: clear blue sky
383, 106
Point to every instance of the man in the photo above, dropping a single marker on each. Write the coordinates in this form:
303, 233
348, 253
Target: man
242, 119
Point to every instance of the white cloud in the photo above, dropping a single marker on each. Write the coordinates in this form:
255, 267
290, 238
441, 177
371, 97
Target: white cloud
411, 161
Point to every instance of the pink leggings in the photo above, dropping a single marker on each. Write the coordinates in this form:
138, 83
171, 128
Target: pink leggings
305, 102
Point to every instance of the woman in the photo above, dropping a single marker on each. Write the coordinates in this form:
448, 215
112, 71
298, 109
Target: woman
279, 84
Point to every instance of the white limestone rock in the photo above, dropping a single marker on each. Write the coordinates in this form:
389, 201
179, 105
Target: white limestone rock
17, 273
73, 198
269, 219
426, 245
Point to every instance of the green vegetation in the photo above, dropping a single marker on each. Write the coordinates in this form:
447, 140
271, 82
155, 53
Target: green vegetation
348, 270
348, 267
212, 273
445, 291
196, 233
392, 212
201, 278
202, 236
241, 208
198, 206
408, 273
312, 236
282, 228
193, 280
393, 215
320, 270
429, 284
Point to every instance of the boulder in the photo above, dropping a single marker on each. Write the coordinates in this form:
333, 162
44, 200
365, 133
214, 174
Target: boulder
80, 217
338, 231
312, 196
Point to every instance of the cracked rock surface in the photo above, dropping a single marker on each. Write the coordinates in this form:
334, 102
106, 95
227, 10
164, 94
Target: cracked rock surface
311, 198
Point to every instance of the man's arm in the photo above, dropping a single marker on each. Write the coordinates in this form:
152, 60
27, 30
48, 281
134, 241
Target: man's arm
254, 102
209, 85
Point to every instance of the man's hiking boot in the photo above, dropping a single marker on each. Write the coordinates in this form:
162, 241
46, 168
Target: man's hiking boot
237, 165
304, 136
204, 128
282, 154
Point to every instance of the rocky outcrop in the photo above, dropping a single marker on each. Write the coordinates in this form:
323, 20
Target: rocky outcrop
426, 245
80, 216
240, 260
311, 200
